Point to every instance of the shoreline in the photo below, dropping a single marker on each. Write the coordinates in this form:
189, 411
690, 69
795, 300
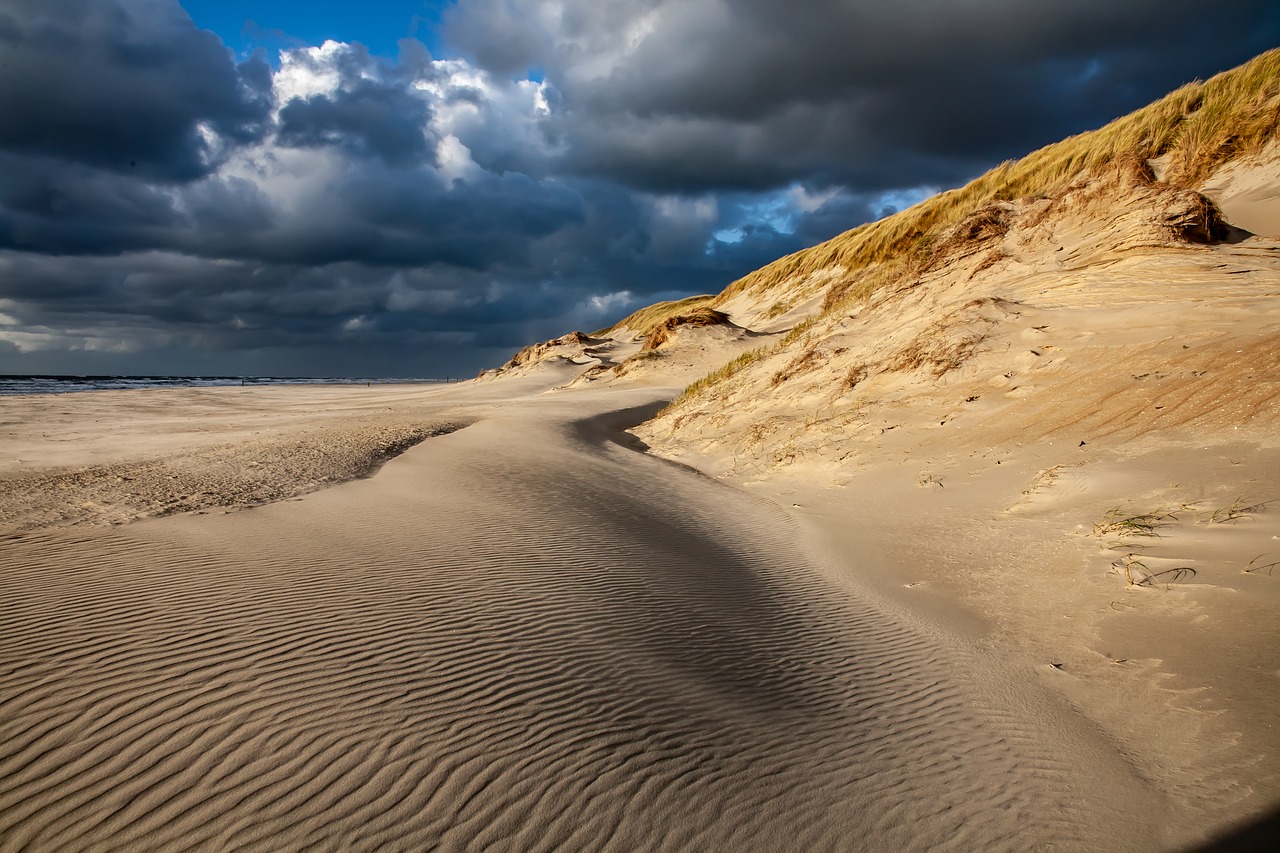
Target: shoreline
69, 382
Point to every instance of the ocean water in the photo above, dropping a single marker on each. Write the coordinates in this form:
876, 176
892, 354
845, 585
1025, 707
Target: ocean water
14, 384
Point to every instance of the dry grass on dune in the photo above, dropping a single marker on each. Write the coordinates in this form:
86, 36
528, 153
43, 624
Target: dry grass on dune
1197, 128
536, 352
740, 363
699, 316
717, 376
647, 319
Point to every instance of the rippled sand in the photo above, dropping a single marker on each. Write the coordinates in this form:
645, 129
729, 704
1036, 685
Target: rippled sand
522, 636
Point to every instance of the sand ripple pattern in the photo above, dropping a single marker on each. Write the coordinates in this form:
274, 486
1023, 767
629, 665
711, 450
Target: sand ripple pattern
490, 648
236, 475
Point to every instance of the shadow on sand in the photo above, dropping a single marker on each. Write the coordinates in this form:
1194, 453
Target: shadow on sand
1262, 834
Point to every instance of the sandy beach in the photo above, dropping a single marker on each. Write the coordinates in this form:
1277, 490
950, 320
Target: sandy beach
522, 632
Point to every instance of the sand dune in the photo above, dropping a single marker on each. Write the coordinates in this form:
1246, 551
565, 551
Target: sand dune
518, 636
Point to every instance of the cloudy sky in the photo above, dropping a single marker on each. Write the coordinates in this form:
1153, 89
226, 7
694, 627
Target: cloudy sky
419, 187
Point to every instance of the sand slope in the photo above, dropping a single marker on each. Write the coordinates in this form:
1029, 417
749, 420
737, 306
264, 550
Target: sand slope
518, 636
978, 427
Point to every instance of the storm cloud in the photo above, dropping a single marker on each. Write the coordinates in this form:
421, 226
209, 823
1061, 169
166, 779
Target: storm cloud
165, 205
708, 94
126, 87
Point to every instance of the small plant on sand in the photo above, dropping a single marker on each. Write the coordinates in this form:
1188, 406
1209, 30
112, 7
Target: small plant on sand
1137, 574
777, 309
797, 332
786, 454
1043, 479
1239, 509
1255, 566
1117, 522
1127, 565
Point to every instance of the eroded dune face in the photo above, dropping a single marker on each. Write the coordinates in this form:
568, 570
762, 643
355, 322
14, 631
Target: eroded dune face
1248, 192
517, 635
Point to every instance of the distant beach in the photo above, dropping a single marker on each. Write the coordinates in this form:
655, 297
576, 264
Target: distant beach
22, 383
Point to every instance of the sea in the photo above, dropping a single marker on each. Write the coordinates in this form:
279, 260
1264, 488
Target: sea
14, 384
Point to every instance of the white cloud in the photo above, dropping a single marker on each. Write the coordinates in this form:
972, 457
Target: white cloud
113, 345
308, 71
682, 209
454, 161
487, 114
33, 341
73, 341
608, 302
357, 324
809, 202
468, 109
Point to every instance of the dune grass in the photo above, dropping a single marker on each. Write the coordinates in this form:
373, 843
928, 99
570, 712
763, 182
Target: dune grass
1119, 522
1197, 128
647, 319
1238, 509
1254, 566
701, 315
715, 377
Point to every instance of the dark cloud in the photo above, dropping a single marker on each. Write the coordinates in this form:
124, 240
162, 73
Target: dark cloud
124, 86
50, 206
371, 112
368, 119
164, 208
371, 214
713, 94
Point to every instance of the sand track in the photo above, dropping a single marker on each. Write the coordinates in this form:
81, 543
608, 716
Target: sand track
519, 636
